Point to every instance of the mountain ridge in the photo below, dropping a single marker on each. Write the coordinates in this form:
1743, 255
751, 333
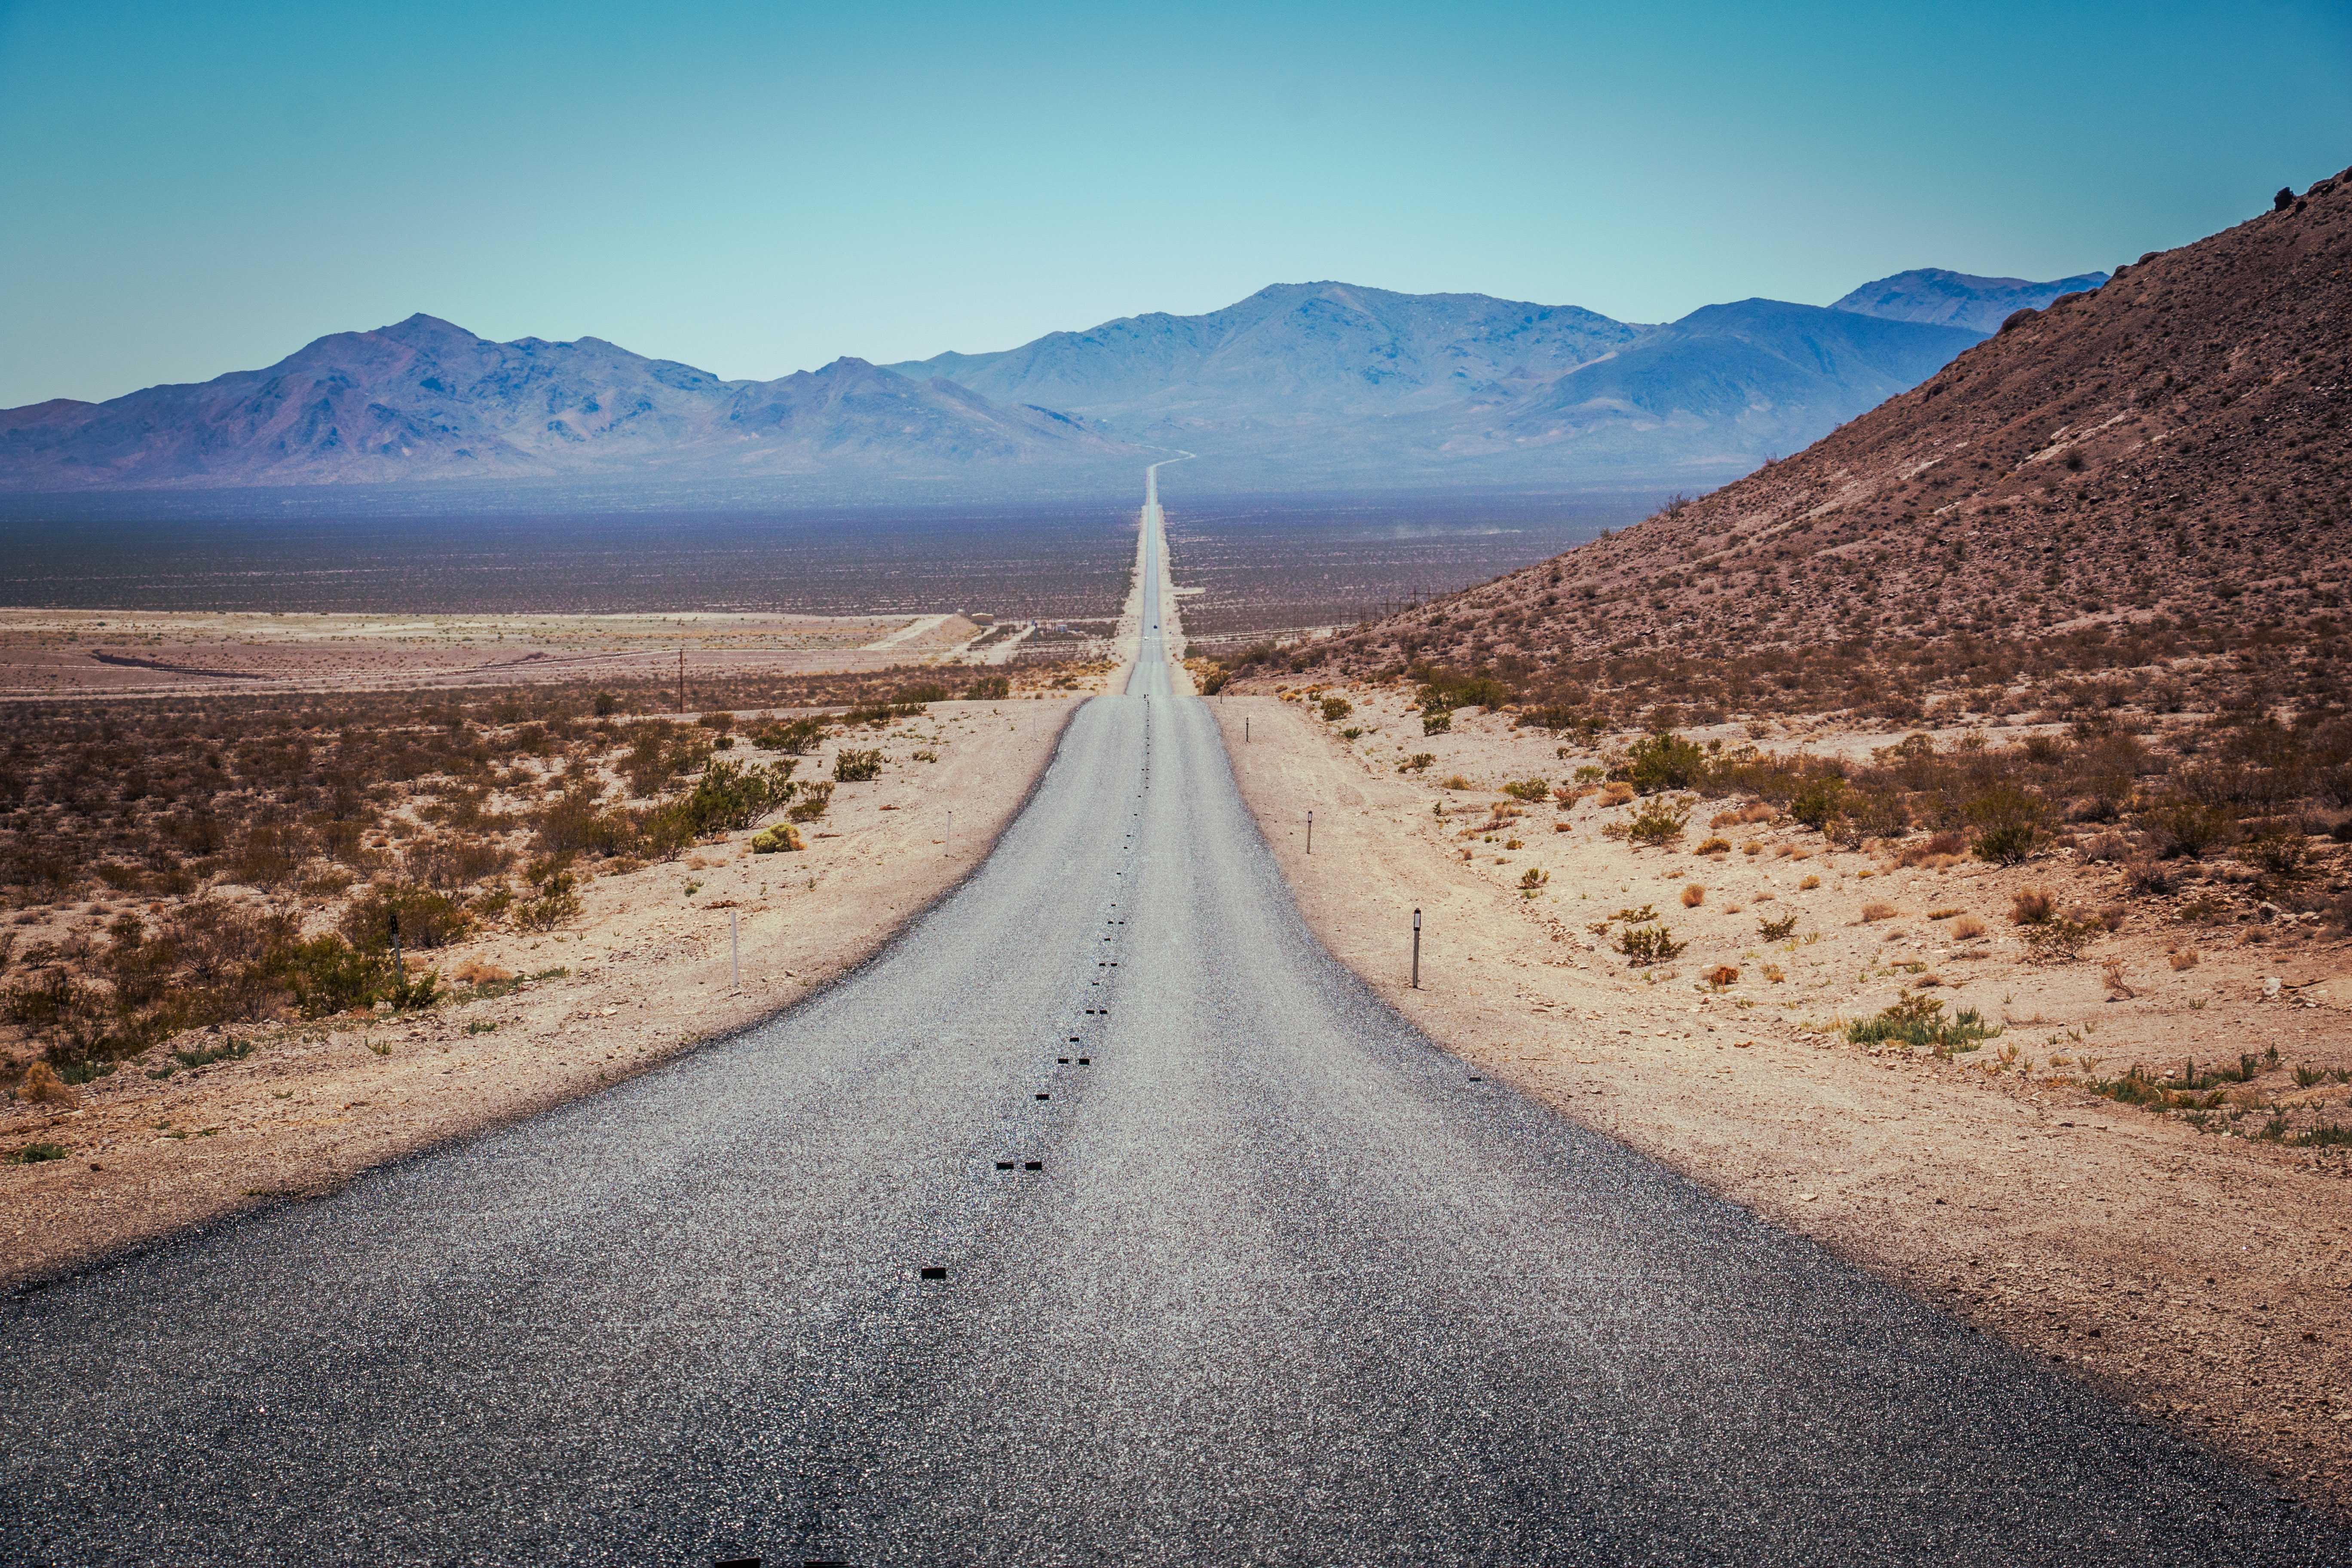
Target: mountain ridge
1325, 384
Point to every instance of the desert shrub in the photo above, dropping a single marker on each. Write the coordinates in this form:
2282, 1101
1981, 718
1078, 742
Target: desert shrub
1818, 801
2060, 938
1663, 761
2032, 907
36, 1152
1968, 928
42, 1086
428, 919
922, 693
1531, 878
1657, 823
1694, 896
814, 798
1336, 709
575, 821
2182, 959
718, 721
268, 856
1649, 943
1528, 790
1417, 762
2009, 824
2186, 827
1873, 913
456, 860
2148, 876
1917, 1020
2280, 850
605, 704
1214, 680
730, 797
327, 975
1776, 929
1444, 688
554, 899
1723, 975
857, 767
1712, 847
782, 838
1438, 723
798, 737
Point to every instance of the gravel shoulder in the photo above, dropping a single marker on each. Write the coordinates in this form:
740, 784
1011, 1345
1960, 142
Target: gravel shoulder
643, 974
2201, 1277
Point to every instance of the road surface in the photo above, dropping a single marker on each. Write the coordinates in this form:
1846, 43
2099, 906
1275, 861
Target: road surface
1233, 1268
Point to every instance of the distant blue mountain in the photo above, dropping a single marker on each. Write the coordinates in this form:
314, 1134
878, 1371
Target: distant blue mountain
426, 400
1934, 297
1324, 385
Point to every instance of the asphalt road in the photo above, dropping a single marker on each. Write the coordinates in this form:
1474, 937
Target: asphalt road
1237, 1268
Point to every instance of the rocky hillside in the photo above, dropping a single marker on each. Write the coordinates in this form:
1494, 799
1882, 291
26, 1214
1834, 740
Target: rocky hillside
2159, 464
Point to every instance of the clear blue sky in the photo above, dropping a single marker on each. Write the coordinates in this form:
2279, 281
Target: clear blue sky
758, 188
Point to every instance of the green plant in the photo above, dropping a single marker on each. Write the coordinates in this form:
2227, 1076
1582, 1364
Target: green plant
1336, 709
2186, 827
1664, 760
481, 1026
1532, 879
797, 736
778, 839
1916, 1020
1528, 790
1776, 929
1438, 723
857, 767
2009, 824
1649, 943
1658, 822
1818, 801
1418, 763
556, 900
814, 798
203, 1056
1351, 733
38, 1153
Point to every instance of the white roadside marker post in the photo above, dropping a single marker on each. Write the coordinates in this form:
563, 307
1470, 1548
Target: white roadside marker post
1416, 949
734, 952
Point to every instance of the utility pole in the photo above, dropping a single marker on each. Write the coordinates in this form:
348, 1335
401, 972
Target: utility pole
681, 679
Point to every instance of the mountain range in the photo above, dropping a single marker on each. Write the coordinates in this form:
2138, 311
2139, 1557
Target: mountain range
1325, 384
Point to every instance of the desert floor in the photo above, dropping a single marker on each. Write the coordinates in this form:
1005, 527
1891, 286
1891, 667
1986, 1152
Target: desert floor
86, 653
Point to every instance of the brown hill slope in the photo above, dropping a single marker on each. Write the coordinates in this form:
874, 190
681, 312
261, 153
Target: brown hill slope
2126, 481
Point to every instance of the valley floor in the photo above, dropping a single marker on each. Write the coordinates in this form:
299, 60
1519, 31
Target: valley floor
2201, 1275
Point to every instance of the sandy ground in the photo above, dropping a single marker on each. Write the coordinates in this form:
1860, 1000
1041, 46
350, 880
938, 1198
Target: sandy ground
643, 974
2201, 1277
83, 653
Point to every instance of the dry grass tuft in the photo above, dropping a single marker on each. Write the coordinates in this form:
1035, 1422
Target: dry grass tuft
43, 1086
1723, 975
2184, 959
1968, 927
1694, 896
2033, 907
1941, 914
474, 971
1809, 884
1876, 912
